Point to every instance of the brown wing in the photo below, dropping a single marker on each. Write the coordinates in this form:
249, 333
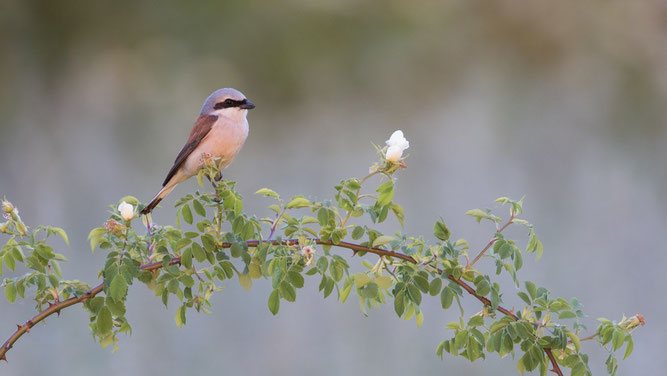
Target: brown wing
199, 131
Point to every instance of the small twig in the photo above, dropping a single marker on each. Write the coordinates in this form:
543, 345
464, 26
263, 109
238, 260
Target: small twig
274, 225
349, 213
592, 336
481, 253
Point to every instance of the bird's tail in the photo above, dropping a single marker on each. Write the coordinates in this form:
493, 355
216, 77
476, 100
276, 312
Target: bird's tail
156, 200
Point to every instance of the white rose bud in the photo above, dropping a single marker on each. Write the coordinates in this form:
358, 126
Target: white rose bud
126, 211
394, 154
396, 145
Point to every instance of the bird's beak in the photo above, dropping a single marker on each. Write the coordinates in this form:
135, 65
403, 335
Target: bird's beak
248, 105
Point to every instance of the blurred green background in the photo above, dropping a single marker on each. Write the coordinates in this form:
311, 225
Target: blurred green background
565, 102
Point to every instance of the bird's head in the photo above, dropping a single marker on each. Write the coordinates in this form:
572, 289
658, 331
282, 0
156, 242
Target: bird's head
227, 102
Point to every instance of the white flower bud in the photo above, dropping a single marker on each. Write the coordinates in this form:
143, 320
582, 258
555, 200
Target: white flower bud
126, 210
394, 154
396, 144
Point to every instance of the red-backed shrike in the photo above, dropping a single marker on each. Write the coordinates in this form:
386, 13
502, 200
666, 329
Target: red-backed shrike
219, 132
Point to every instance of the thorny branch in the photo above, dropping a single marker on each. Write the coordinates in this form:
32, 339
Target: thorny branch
57, 307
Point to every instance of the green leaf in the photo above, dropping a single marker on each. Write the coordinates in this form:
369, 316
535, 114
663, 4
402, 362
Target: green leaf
274, 301
446, 297
399, 303
236, 249
399, 213
288, 292
370, 290
337, 270
628, 347
95, 304
435, 286
104, 321
454, 325
532, 289
209, 243
345, 292
382, 240
62, 234
383, 282
358, 232
476, 321
361, 279
45, 251
10, 292
441, 231
96, 236
53, 280
478, 214
524, 297
482, 286
322, 264
295, 278
566, 315
386, 193
246, 281
520, 367
254, 271
574, 338
617, 339
298, 202
186, 280
179, 318
199, 208
421, 282
518, 260
116, 308
56, 267
415, 294
9, 261
268, 193
323, 216
186, 258
118, 288
187, 214
538, 250
198, 252
419, 319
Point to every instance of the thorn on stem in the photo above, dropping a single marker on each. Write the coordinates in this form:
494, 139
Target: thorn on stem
53, 305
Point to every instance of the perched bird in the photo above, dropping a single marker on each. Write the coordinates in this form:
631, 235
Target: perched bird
219, 132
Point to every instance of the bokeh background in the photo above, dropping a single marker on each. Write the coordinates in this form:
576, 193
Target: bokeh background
563, 101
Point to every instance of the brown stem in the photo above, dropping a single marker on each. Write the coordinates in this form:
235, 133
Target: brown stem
592, 336
481, 253
55, 308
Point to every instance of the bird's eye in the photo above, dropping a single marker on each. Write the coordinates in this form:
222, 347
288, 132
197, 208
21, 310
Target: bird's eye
229, 102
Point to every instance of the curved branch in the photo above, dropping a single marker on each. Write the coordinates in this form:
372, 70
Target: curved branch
57, 307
